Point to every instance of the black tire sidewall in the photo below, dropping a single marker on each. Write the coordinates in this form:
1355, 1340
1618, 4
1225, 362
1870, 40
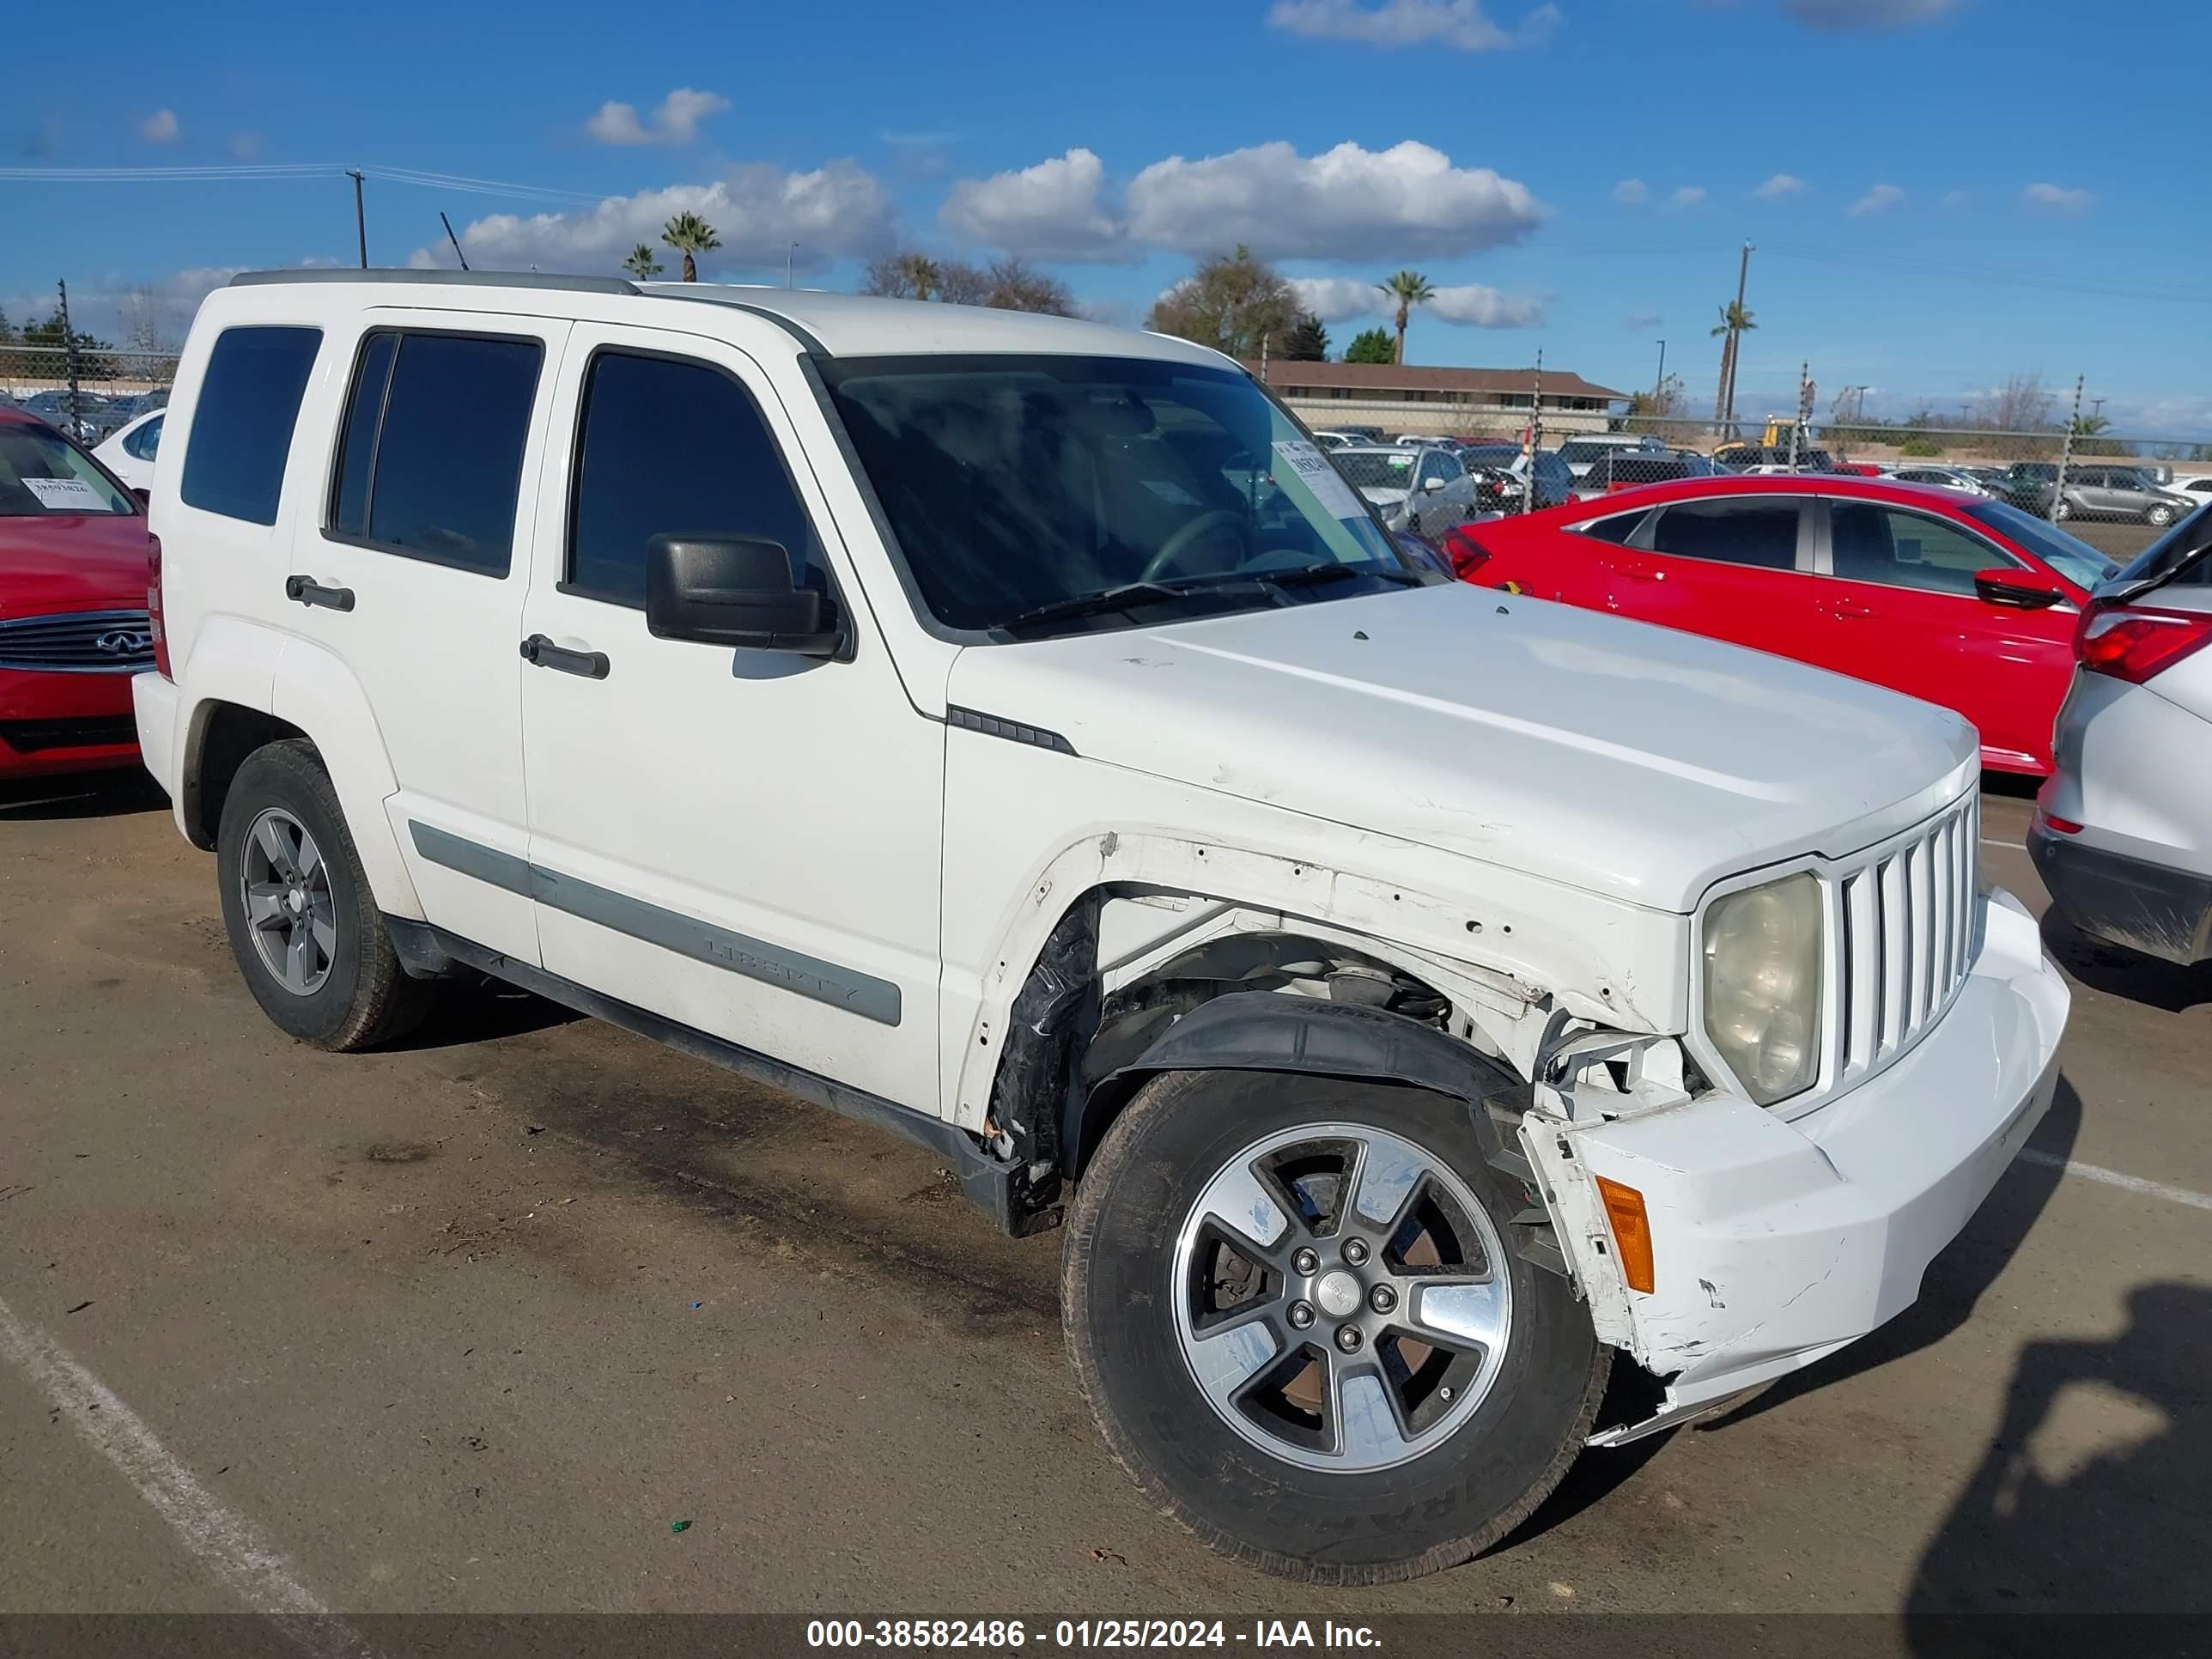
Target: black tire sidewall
289, 776
1442, 1507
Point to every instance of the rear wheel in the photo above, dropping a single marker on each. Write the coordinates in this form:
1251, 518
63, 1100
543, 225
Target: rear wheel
304, 927
2063, 510
1289, 1304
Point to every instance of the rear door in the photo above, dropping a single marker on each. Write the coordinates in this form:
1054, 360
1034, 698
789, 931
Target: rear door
1730, 567
1898, 598
409, 570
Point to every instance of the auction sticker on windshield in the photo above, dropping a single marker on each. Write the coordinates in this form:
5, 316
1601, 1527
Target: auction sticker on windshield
1310, 467
66, 494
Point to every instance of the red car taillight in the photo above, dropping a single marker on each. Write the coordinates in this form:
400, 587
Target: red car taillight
154, 607
1468, 556
2133, 644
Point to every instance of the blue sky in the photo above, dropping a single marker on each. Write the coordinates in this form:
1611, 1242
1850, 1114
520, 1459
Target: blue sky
1942, 192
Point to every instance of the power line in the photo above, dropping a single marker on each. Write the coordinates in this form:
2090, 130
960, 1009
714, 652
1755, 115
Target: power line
289, 170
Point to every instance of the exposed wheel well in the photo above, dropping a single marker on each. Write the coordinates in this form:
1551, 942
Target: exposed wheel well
231, 732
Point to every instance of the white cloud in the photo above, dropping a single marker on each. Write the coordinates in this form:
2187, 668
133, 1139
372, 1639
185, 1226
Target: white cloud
1640, 320
1687, 196
244, 146
839, 210
676, 121
1052, 210
1866, 14
1955, 199
2057, 199
1460, 24
1632, 192
1346, 202
1880, 199
1782, 184
160, 128
1337, 299
1471, 305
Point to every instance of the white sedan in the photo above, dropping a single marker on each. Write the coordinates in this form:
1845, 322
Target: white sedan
127, 452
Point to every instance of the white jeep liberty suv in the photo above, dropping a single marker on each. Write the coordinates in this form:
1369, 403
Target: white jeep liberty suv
1012, 730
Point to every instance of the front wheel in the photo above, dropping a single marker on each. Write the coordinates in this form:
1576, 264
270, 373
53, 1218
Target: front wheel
2062, 512
1289, 1304
2160, 516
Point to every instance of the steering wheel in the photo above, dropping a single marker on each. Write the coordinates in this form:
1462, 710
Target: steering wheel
1179, 544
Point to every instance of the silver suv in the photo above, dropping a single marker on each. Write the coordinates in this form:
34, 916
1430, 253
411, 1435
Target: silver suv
2123, 830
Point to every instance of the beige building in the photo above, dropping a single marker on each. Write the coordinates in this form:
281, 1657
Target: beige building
1453, 402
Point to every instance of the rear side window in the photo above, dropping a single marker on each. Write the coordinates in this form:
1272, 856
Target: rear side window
430, 463
1747, 531
146, 441
1617, 529
668, 447
241, 428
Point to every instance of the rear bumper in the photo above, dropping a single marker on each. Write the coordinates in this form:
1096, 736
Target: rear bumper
2125, 901
1776, 1243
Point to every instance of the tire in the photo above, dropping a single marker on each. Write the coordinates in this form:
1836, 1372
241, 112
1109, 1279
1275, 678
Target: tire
308, 936
2159, 517
2062, 512
1275, 1472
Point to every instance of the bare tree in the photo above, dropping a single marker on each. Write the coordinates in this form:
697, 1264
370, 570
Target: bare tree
1231, 302
1017, 285
149, 320
2020, 406
1007, 284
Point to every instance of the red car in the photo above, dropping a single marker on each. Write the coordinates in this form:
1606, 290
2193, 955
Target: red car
73, 623
1964, 601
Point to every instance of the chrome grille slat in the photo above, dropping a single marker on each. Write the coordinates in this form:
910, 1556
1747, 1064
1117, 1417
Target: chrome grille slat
69, 643
1907, 912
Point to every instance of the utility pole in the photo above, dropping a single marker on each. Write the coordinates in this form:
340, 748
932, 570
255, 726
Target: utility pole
2066, 452
68, 358
2096, 408
1724, 405
790, 259
359, 220
1659, 385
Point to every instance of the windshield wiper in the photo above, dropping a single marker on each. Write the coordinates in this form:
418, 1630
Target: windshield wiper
1127, 594
1306, 575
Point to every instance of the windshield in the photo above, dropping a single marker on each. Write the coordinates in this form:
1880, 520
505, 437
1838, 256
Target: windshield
1377, 469
1015, 485
43, 474
2070, 556
2178, 557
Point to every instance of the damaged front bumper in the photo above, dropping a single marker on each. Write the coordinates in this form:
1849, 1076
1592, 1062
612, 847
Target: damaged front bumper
1774, 1241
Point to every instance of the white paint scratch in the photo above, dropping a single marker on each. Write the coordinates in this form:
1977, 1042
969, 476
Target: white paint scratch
2126, 1183
224, 1542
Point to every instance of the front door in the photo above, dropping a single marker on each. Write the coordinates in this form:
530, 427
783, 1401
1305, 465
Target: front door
409, 572
1903, 611
746, 842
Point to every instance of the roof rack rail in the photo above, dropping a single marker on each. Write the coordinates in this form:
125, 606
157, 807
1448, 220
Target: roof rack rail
438, 278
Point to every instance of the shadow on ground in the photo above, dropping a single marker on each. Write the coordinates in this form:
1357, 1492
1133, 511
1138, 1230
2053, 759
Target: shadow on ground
2122, 973
79, 795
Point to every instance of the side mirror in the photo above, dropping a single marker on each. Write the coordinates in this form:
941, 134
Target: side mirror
2023, 590
733, 591
1433, 484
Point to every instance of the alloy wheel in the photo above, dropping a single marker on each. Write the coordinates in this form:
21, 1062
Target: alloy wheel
1342, 1297
289, 913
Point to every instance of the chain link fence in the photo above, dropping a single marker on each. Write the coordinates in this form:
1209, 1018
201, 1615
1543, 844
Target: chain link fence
84, 387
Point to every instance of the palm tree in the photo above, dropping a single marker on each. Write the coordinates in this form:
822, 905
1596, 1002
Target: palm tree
922, 274
1734, 321
688, 234
1409, 289
643, 262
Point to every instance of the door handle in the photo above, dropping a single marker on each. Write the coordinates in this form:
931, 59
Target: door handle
1640, 570
306, 590
541, 652
1850, 608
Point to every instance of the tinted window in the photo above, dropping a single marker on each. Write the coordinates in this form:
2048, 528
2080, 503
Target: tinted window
1885, 544
43, 474
1441, 468
145, 442
440, 479
1751, 531
2070, 556
241, 428
1617, 529
671, 448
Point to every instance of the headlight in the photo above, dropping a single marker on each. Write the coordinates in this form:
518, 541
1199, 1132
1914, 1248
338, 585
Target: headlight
1763, 984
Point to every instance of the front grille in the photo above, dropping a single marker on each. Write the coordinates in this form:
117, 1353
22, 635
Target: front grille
1907, 914
87, 731
79, 643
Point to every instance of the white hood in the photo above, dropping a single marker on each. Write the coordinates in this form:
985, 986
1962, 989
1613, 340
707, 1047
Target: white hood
1615, 755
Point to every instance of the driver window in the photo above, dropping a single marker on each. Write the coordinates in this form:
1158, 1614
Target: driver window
1897, 548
